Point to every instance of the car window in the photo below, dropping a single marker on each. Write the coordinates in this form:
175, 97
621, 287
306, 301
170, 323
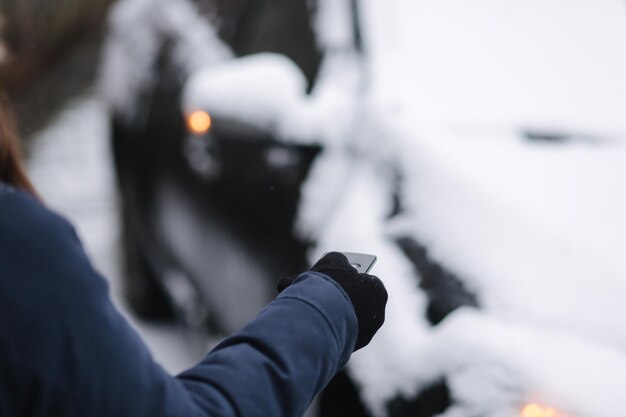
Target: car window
280, 26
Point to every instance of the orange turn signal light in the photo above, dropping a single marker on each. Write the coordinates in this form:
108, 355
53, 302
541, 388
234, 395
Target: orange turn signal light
536, 410
199, 122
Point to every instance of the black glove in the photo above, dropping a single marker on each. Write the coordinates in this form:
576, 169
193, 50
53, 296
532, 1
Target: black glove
367, 293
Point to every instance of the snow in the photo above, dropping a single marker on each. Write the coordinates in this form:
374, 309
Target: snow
333, 25
267, 91
137, 31
322, 193
259, 90
491, 363
358, 225
69, 166
535, 232
556, 213
530, 64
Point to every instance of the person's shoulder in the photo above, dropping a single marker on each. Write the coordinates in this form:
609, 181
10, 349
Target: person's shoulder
12, 197
36, 242
16, 205
6, 190
15, 199
26, 221
20, 208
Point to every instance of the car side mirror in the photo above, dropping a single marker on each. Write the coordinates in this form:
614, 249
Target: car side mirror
258, 91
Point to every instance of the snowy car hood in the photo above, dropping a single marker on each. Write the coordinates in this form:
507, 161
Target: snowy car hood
535, 230
555, 212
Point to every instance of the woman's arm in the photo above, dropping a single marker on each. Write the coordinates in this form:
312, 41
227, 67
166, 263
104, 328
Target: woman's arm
65, 349
280, 361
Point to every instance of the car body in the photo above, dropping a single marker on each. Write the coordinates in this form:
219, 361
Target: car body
494, 206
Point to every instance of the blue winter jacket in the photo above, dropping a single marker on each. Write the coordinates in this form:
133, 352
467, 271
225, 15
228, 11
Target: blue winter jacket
66, 351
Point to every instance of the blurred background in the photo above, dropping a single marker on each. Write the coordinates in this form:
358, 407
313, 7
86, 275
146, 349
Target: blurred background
206, 148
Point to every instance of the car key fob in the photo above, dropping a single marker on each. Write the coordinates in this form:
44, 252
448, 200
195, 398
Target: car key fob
362, 262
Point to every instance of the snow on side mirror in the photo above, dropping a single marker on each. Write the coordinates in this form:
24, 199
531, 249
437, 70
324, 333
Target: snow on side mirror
259, 90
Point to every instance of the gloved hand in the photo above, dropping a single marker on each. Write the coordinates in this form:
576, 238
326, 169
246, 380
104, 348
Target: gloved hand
366, 292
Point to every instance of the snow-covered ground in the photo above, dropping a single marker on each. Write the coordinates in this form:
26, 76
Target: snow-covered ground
71, 167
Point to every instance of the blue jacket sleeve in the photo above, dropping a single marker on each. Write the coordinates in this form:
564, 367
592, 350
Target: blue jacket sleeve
277, 363
66, 351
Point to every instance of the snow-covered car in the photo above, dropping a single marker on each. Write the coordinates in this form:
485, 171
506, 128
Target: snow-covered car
477, 149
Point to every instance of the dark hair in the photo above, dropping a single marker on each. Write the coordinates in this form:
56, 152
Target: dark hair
12, 171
